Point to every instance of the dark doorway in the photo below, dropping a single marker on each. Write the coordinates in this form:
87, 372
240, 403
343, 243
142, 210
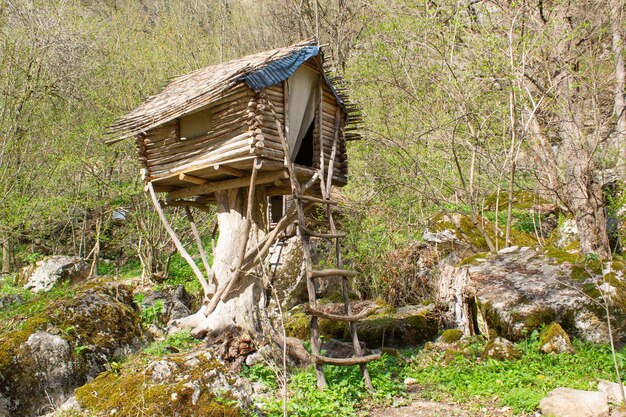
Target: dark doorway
276, 208
305, 153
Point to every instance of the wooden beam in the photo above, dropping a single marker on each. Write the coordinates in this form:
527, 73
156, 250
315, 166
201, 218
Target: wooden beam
192, 179
177, 243
345, 361
230, 171
212, 187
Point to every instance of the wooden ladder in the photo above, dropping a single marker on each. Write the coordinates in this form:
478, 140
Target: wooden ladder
301, 200
312, 274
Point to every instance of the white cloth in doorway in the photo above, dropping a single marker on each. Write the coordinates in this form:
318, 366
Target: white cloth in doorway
304, 97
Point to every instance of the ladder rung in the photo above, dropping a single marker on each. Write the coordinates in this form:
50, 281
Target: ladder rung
338, 317
323, 235
315, 199
345, 361
333, 272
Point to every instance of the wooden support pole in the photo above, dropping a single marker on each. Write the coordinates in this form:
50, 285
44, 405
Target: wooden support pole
177, 243
194, 230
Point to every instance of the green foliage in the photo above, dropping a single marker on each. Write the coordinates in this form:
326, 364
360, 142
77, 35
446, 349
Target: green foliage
28, 304
518, 384
345, 393
178, 341
261, 373
149, 312
457, 374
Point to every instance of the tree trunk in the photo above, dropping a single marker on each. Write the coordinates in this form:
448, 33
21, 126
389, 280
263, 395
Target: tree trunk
6, 255
619, 108
584, 195
240, 308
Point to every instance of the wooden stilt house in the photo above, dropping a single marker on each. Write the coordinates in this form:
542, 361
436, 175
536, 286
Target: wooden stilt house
209, 126
272, 119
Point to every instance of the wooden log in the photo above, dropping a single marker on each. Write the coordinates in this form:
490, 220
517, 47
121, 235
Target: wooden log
263, 178
200, 155
226, 143
192, 179
334, 272
241, 159
230, 171
359, 360
186, 203
204, 162
213, 141
307, 309
193, 154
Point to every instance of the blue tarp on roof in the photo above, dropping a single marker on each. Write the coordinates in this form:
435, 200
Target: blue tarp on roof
280, 70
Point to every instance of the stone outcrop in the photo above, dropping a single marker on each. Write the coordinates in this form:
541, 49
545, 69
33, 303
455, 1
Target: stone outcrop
51, 353
47, 273
567, 402
168, 304
517, 290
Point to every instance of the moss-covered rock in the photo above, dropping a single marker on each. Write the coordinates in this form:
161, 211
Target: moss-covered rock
501, 349
467, 233
386, 326
451, 335
553, 339
186, 384
99, 324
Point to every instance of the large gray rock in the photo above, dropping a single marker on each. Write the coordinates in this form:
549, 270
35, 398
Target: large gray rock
286, 266
53, 352
567, 402
45, 274
515, 293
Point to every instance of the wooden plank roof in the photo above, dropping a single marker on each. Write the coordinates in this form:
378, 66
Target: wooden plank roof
195, 90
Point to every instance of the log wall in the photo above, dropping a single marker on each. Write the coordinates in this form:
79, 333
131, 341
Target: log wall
242, 127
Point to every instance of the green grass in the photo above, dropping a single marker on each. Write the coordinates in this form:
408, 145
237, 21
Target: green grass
443, 376
518, 384
29, 303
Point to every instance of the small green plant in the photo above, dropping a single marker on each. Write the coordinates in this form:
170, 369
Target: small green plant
33, 257
149, 312
179, 341
261, 373
80, 349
